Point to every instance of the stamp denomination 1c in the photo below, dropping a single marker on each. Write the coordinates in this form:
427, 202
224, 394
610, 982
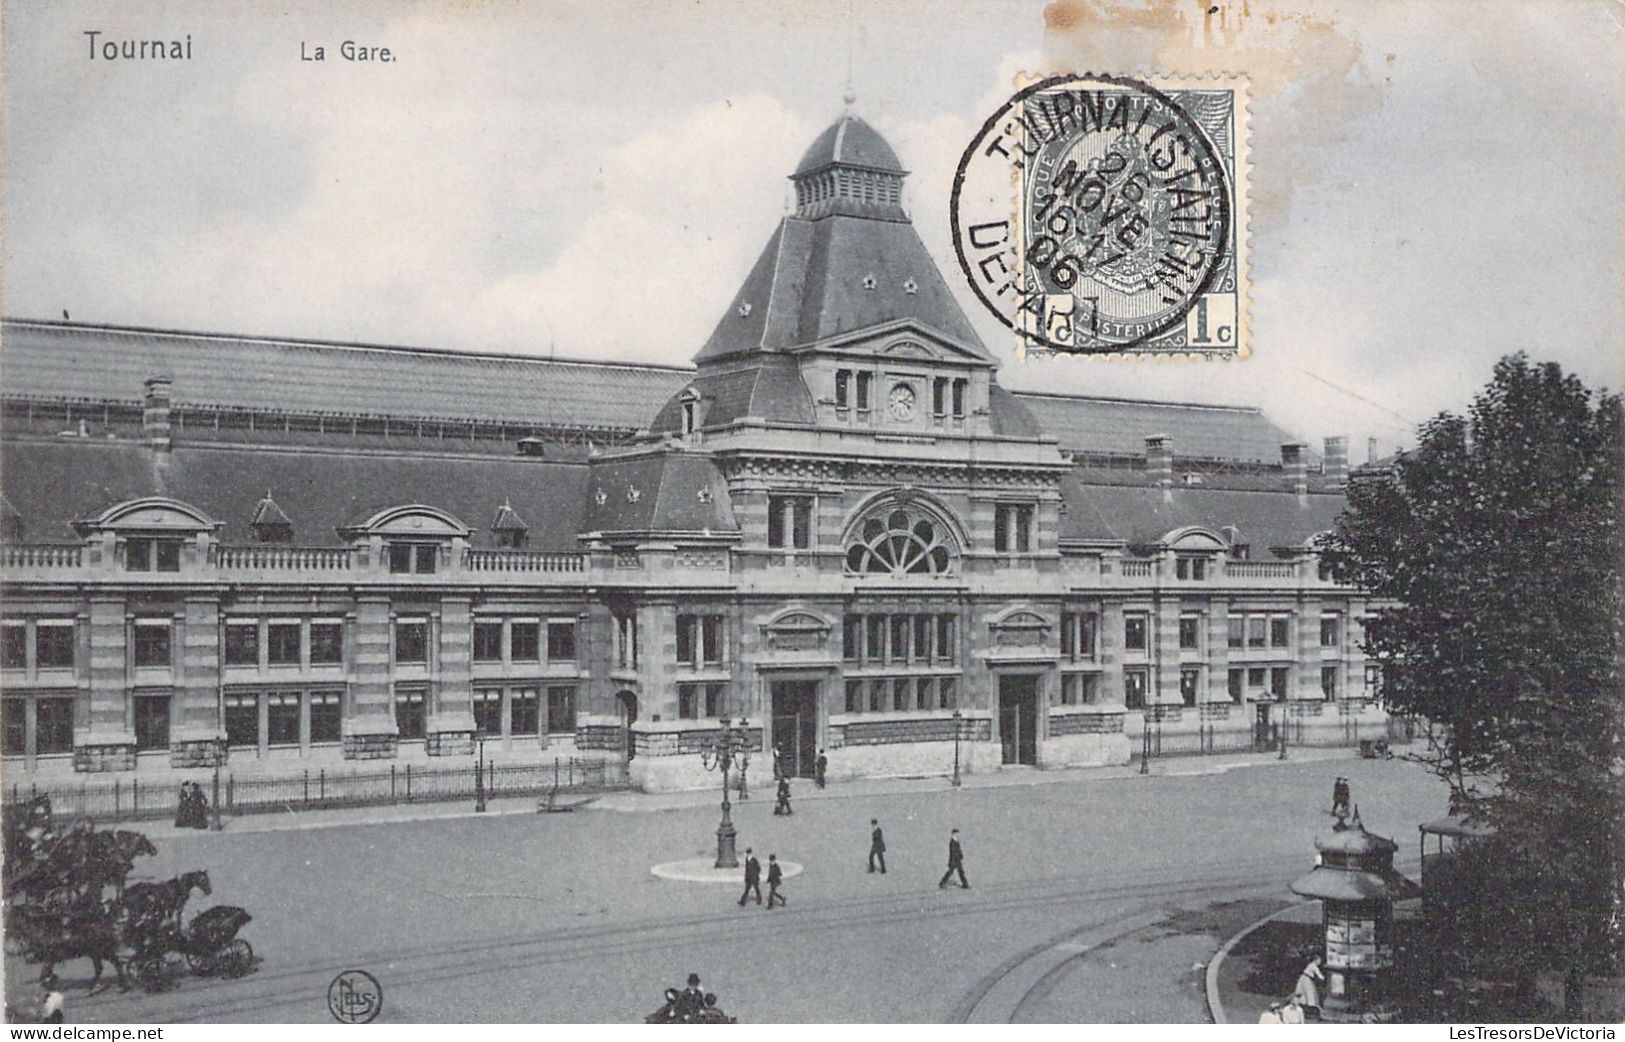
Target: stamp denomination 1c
1098, 214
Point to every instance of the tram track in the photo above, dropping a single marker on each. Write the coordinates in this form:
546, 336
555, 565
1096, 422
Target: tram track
413, 967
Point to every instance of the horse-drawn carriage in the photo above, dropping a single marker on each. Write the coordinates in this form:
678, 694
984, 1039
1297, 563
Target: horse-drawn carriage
67, 896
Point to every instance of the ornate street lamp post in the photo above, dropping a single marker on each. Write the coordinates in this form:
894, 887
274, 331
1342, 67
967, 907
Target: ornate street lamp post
725, 752
958, 720
479, 776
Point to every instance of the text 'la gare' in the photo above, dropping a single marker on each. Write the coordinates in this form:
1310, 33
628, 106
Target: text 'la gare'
349, 50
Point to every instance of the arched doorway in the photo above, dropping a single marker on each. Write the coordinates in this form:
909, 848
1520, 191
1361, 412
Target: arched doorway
629, 716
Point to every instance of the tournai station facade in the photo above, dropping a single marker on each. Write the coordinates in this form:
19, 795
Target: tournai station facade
835, 527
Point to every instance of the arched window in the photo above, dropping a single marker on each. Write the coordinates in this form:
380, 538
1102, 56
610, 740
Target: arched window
900, 541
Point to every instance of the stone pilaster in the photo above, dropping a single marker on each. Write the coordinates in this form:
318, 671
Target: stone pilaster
1217, 651
1111, 652
103, 734
451, 725
369, 726
1307, 651
1165, 659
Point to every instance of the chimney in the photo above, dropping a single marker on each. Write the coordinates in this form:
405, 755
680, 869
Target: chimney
1296, 464
1335, 456
1159, 462
1370, 450
155, 413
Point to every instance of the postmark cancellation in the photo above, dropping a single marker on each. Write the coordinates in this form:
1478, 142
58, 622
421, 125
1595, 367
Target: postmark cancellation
1100, 214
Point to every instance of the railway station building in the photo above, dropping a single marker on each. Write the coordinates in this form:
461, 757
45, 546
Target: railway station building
835, 527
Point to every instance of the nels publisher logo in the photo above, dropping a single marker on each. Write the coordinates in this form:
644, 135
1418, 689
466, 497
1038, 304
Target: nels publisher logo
355, 997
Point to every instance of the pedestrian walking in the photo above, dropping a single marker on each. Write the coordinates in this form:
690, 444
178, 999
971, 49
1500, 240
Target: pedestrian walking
956, 862
820, 765
877, 846
1307, 993
1340, 797
753, 878
775, 876
783, 806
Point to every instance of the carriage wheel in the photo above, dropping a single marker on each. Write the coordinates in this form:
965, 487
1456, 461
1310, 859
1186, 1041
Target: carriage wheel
202, 963
236, 958
157, 972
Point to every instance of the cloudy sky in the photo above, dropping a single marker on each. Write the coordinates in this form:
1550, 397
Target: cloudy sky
1434, 183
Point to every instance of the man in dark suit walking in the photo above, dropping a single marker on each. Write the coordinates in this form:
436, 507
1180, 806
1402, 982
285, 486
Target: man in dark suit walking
775, 876
956, 862
820, 765
753, 878
877, 846
783, 806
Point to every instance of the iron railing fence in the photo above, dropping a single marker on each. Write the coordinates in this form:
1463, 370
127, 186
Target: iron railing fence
137, 800
1351, 732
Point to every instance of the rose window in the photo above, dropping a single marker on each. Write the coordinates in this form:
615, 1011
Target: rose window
900, 542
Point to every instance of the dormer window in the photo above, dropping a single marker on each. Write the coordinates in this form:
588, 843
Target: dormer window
413, 558
269, 524
690, 403
1191, 567
152, 554
508, 528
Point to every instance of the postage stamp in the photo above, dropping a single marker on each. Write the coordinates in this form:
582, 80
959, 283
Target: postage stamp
1095, 214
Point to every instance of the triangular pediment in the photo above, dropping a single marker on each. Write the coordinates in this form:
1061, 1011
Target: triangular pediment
902, 339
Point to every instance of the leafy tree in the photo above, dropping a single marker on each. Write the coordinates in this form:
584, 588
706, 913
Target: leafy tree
1497, 545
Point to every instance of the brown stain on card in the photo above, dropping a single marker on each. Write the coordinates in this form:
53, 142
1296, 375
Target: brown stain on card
1307, 82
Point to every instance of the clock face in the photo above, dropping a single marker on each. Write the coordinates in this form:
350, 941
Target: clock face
901, 401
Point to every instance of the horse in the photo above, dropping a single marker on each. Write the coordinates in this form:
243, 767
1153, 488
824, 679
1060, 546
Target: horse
162, 902
89, 930
108, 859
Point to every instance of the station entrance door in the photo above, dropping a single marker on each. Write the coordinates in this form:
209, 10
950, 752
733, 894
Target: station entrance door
1018, 718
795, 725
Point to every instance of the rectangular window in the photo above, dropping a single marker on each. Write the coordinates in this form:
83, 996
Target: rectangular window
939, 396
923, 629
875, 650
282, 717
852, 637
152, 555
525, 712
1188, 681
626, 641
1278, 675
1236, 627
406, 558
1069, 635
688, 701
400, 558
561, 641
1012, 527
925, 694
152, 644
1189, 632
412, 641
900, 693
53, 725
1134, 684
243, 721
53, 645
1256, 677
687, 645
1373, 680
854, 696
1235, 684
488, 711
959, 399
865, 380
561, 710
151, 722
326, 716
948, 692
715, 700
1328, 682
711, 639
1278, 631
326, 643
843, 388
789, 522
946, 648
878, 693
242, 644
282, 643
14, 645
899, 638
166, 555
411, 713
15, 720
1257, 631
1331, 626
138, 555
525, 641
426, 555
488, 642
1134, 627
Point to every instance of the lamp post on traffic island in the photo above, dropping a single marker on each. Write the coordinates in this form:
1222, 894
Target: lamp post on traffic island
959, 719
1357, 886
728, 749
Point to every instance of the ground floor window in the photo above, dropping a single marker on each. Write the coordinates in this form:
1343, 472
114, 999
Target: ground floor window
524, 710
1134, 687
1328, 682
243, 720
561, 709
701, 701
151, 722
37, 726
1077, 689
14, 721
326, 716
488, 712
1278, 680
411, 712
1237, 684
282, 717
1189, 682
901, 694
